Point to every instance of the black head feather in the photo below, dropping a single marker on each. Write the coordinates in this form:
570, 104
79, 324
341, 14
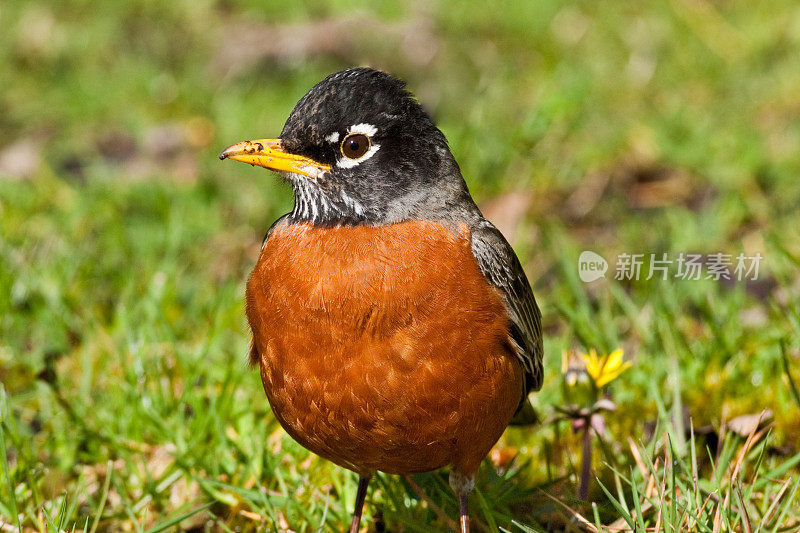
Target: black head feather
408, 173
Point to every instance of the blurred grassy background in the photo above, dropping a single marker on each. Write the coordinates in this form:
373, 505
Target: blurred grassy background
665, 127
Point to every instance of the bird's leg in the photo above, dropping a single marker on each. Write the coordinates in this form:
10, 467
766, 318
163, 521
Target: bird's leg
462, 485
463, 502
363, 481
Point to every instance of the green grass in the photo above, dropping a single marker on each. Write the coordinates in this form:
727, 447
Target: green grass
668, 127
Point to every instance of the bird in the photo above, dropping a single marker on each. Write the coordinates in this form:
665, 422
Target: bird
393, 325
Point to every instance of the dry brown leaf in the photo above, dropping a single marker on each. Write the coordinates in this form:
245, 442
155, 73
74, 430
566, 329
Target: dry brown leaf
159, 459
252, 516
745, 425
507, 211
243, 45
646, 183
19, 160
587, 194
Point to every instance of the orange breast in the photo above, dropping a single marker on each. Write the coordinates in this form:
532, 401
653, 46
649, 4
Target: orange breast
383, 348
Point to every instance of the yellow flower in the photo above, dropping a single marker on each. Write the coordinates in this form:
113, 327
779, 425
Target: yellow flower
603, 370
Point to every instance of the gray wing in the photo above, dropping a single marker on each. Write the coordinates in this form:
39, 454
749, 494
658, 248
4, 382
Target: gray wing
500, 265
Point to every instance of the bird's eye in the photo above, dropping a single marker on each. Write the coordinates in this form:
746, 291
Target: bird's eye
355, 145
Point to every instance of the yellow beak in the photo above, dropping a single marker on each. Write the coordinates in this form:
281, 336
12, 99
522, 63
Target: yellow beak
269, 153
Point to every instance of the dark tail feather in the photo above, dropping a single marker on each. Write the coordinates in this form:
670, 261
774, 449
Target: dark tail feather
526, 415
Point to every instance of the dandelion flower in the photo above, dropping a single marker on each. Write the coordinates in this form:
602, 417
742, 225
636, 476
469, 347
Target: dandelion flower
603, 370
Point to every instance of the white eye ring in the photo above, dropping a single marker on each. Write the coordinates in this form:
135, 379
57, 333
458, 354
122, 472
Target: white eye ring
353, 159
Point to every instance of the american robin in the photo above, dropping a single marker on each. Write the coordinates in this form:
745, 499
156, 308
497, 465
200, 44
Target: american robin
393, 324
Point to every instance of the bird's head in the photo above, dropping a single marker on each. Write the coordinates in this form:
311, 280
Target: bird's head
359, 149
